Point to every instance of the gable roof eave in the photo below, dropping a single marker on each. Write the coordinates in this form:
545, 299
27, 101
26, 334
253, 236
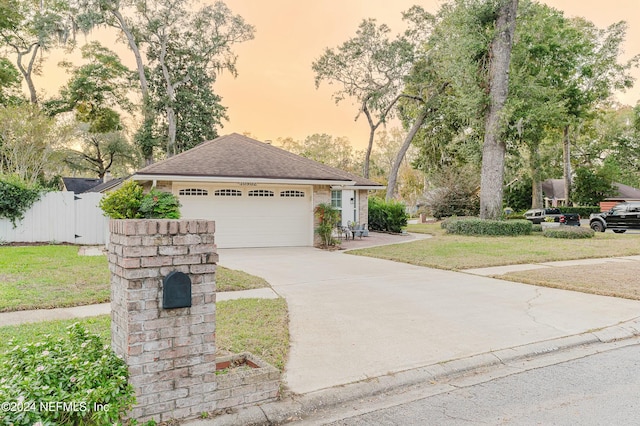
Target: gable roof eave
236, 179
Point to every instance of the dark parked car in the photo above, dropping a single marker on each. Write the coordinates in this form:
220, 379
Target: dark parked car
621, 217
537, 216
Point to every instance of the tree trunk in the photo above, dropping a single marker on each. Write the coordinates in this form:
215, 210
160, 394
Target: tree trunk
393, 175
28, 71
536, 181
372, 132
144, 86
566, 156
493, 152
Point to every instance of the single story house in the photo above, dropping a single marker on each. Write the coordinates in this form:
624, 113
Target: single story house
258, 195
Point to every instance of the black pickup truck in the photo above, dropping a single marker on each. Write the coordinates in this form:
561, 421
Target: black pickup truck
621, 217
537, 216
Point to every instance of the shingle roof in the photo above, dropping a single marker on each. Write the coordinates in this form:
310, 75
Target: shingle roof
239, 156
106, 185
79, 185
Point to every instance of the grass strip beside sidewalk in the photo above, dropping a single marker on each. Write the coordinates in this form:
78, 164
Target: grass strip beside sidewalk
456, 252
259, 326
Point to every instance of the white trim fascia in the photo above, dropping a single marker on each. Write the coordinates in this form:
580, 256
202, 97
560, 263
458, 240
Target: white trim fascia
357, 187
214, 179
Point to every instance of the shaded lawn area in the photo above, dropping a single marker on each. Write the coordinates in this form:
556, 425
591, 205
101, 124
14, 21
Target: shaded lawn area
619, 279
33, 277
259, 326
456, 252
55, 276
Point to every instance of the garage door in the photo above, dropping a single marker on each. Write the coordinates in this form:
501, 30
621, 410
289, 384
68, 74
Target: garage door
251, 216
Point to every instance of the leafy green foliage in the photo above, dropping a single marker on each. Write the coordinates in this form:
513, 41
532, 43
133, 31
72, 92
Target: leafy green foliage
78, 370
584, 211
130, 202
327, 217
518, 195
590, 187
123, 203
386, 216
571, 232
16, 198
160, 205
475, 226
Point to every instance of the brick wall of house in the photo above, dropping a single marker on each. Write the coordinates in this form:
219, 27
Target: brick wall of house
363, 206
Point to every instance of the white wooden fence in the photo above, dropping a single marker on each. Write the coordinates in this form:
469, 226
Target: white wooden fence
59, 217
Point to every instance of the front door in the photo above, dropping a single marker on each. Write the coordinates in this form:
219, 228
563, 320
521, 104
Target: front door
346, 202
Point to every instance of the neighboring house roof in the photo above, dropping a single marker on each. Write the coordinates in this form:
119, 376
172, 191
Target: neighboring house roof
106, 186
236, 156
627, 192
79, 185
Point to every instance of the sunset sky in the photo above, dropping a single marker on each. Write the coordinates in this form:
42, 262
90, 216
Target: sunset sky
274, 95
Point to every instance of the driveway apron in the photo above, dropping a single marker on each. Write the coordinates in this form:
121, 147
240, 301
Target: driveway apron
354, 318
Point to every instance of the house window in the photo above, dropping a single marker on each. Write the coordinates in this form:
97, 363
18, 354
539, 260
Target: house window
292, 193
261, 193
336, 199
227, 193
194, 191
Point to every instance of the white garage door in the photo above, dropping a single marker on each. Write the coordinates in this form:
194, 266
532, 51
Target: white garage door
251, 216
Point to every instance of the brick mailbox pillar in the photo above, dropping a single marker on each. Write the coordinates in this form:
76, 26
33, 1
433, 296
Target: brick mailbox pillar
170, 352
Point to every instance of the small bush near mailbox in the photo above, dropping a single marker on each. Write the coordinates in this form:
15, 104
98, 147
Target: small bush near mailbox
130, 202
65, 381
388, 217
568, 232
475, 226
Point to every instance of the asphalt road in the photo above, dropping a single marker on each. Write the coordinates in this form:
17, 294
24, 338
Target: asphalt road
600, 389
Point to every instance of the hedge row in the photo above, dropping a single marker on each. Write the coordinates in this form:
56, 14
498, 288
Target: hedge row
568, 232
475, 226
386, 216
582, 211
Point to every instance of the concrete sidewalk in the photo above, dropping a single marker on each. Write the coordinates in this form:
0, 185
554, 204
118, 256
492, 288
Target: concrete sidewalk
37, 315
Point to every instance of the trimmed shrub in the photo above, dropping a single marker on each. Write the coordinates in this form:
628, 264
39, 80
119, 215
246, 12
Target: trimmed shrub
452, 219
536, 228
475, 226
130, 202
582, 211
36, 379
16, 197
387, 217
160, 205
123, 203
568, 232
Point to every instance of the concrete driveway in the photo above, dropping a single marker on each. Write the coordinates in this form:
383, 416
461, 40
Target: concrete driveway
353, 318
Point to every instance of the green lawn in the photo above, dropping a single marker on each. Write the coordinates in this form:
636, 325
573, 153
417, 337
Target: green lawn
36, 277
232, 280
259, 326
55, 276
50, 276
457, 252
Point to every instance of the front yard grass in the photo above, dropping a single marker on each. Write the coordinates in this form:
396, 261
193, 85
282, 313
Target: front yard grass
38, 277
618, 279
55, 276
456, 252
259, 326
